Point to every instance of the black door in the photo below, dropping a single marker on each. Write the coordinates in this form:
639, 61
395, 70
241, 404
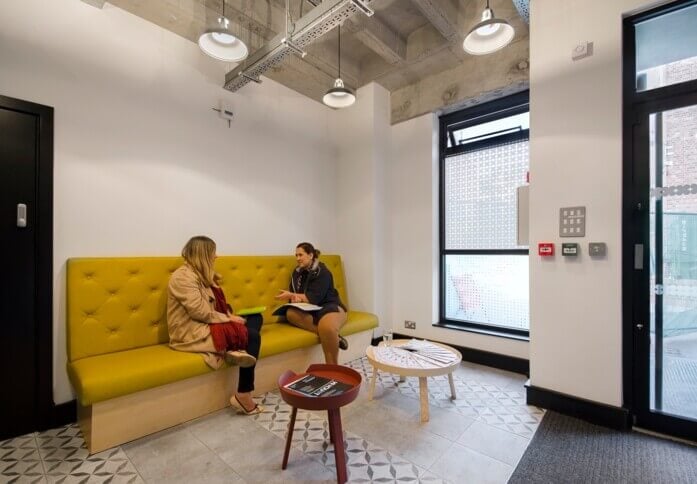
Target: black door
665, 266
23, 341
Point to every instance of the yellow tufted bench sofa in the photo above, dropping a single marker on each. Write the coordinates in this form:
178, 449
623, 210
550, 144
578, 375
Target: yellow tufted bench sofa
129, 383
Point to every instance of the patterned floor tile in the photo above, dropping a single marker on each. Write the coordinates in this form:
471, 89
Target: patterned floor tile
60, 455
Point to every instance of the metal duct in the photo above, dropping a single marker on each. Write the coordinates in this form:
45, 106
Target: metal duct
310, 27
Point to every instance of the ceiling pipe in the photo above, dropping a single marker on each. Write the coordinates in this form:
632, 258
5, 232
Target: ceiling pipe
310, 27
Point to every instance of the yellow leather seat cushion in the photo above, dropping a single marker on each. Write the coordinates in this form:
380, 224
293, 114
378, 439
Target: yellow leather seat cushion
281, 337
117, 327
112, 375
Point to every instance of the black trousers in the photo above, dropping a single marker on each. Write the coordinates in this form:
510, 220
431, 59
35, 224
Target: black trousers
254, 322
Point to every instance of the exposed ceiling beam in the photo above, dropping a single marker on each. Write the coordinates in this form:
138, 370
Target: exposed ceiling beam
380, 38
443, 15
95, 3
468, 82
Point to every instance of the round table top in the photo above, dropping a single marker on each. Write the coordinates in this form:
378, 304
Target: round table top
428, 359
333, 372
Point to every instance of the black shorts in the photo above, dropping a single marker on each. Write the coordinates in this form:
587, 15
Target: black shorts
327, 308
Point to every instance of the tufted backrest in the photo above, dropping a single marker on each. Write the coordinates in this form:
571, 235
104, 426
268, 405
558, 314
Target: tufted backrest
120, 303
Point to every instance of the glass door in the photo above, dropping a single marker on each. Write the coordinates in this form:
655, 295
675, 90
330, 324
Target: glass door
660, 218
666, 146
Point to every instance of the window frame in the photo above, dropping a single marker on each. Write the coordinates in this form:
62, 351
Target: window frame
482, 113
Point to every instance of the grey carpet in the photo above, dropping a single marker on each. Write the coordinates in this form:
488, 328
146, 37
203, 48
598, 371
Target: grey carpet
568, 450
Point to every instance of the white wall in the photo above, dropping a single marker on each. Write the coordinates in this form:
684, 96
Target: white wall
412, 182
576, 159
141, 160
362, 134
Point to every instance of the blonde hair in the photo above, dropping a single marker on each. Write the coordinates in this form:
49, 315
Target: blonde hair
199, 254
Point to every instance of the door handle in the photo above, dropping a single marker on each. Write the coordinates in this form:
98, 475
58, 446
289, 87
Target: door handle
639, 326
21, 215
638, 257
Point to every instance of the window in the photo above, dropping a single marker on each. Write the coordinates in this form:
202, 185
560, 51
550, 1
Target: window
666, 48
484, 271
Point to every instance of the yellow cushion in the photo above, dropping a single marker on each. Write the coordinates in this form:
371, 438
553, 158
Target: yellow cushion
281, 337
117, 326
358, 321
112, 375
119, 303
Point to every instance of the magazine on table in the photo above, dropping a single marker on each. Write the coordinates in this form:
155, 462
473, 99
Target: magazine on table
426, 350
281, 310
318, 386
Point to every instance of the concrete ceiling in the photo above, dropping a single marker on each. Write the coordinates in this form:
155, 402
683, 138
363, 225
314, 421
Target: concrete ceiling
413, 48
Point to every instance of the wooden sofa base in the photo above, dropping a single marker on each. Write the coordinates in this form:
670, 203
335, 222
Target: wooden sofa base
120, 420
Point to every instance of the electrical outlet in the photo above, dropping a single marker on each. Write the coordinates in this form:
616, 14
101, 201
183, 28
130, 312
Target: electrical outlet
409, 324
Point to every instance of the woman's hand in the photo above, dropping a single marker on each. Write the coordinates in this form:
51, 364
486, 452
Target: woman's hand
296, 298
285, 295
238, 319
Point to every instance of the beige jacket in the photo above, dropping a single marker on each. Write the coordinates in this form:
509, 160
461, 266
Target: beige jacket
190, 309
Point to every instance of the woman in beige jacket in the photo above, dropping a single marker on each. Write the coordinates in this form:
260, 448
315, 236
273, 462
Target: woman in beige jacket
200, 320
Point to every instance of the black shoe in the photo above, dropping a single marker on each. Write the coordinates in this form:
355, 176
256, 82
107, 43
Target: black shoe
343, 344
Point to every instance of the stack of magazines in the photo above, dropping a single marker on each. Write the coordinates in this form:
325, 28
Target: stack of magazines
428, 351
318, 386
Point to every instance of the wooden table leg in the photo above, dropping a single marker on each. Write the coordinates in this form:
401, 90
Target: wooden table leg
331, 431
289, 439
339, 452
371, 390
402, 378
423, 397
453, 396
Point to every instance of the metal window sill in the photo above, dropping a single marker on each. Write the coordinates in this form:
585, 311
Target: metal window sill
487, 332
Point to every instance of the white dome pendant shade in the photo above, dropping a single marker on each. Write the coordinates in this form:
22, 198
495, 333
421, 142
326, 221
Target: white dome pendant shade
489, 35
339, 96
221, 44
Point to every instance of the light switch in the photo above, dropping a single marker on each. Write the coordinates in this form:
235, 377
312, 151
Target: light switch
569, 248
597, 249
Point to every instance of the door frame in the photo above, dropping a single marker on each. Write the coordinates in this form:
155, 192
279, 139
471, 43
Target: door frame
48, 415
635, 230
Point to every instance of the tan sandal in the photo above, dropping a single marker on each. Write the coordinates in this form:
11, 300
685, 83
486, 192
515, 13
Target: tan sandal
240, 358
240, 408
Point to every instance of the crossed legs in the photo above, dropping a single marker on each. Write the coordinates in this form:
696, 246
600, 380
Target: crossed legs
327, 329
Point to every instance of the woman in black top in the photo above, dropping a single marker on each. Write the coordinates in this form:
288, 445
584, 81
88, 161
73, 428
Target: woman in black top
311, 282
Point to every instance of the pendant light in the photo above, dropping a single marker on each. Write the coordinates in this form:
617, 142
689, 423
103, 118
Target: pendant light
339, 96
220, 43
489, 35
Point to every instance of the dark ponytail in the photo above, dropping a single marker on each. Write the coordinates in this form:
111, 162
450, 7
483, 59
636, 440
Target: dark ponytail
309, 249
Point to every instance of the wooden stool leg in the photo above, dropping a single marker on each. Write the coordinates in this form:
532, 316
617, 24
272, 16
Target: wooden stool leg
331, 431
453, 396
402, 378
423, 394
371, 390
289, 439
339, 452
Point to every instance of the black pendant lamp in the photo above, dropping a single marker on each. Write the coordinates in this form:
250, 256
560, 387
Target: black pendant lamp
339, 96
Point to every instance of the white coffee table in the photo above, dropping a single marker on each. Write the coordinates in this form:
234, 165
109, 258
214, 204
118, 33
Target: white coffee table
405, 363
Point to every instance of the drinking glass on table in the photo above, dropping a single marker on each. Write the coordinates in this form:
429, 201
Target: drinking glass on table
387, 337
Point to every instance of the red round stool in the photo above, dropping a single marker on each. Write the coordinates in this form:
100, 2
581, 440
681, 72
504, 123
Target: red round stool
331, 404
